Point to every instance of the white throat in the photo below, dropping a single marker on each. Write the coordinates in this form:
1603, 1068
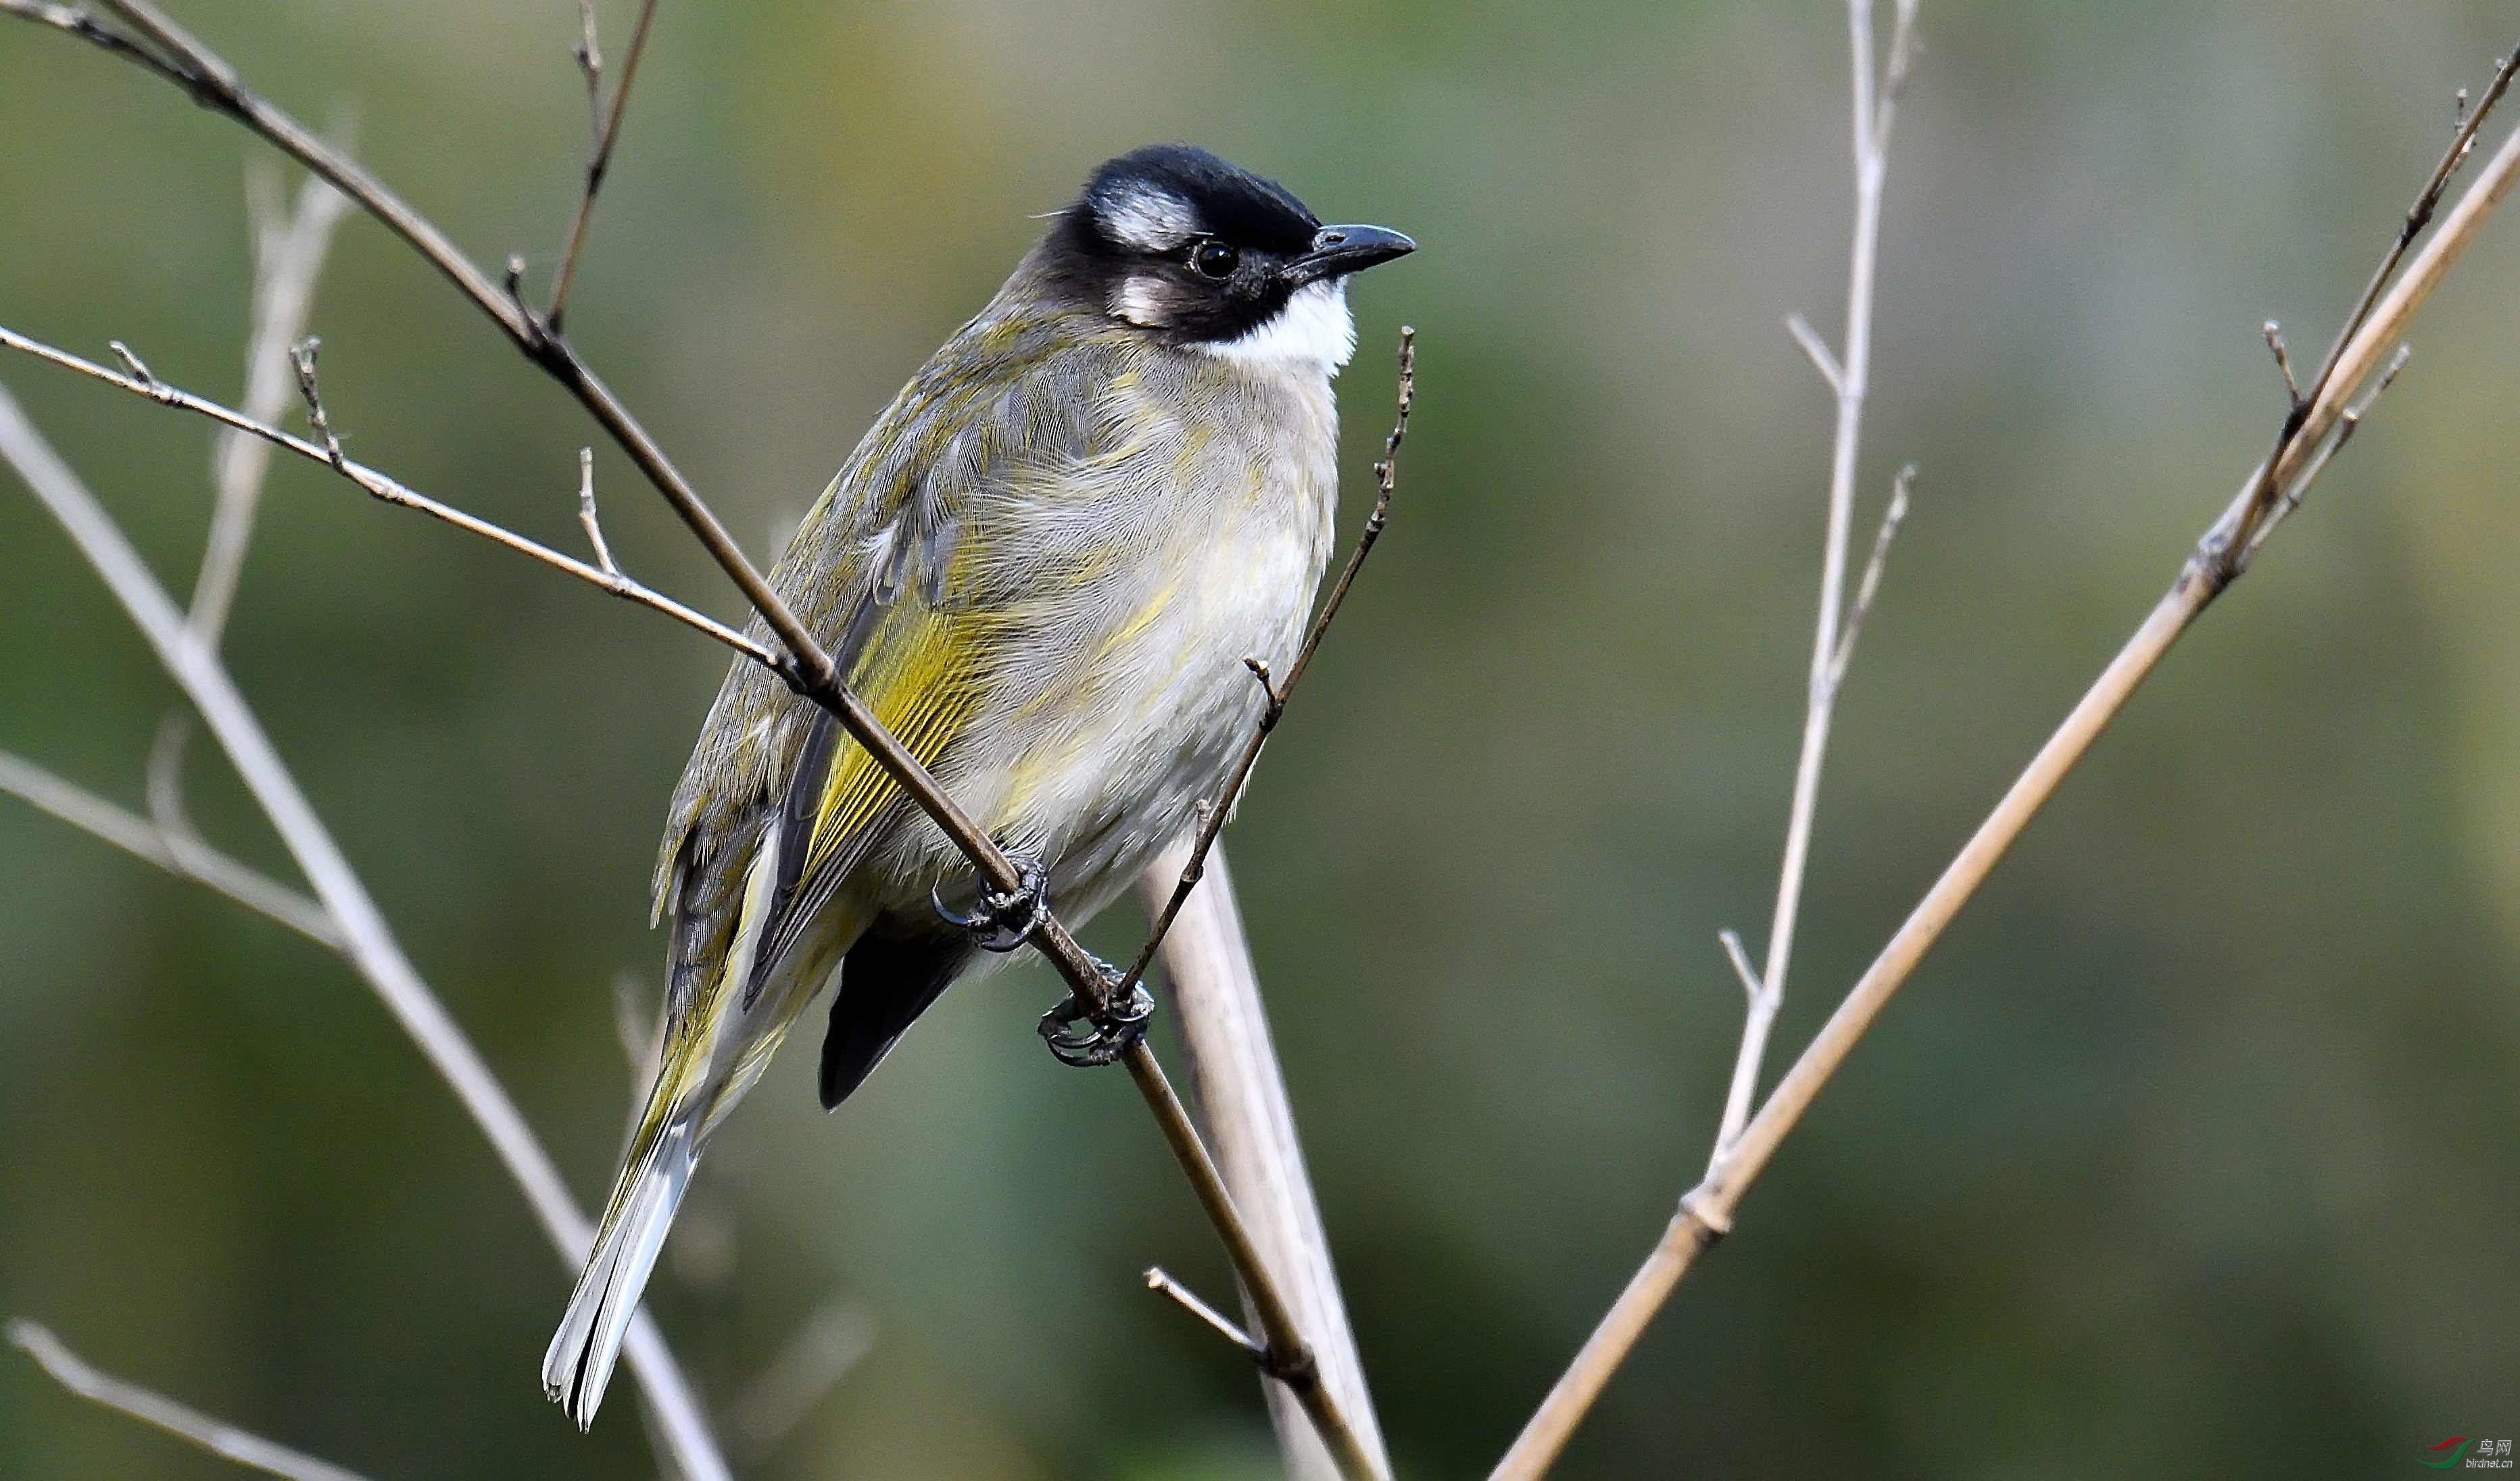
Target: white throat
1313, 330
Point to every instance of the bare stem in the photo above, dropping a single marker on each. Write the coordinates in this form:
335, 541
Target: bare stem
1218, 810
1706, 1213
216, 1436
186, 858
1834, 632
290, 255
1217, 1322
369, 943
1250, 1121
388, 489
607, 134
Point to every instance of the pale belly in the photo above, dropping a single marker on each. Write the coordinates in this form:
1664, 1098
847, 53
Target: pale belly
1106, 759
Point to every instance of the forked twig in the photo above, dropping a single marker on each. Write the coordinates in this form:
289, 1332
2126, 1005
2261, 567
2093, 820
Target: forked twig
1833, 633
367, 943
384, 486
145, 839
2302, 451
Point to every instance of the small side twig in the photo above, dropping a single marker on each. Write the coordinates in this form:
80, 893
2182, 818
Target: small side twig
2274, 336
1817, 349
1868, 585
189, 859
587, 515
289, 252
607, 133
216, 1436
1215, 812
1162, 1283
387, 488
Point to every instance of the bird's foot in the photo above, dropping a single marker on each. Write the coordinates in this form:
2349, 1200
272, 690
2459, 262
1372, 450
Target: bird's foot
1088, 1038
1004, 918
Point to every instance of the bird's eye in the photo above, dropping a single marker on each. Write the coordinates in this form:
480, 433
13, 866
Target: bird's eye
1214, 261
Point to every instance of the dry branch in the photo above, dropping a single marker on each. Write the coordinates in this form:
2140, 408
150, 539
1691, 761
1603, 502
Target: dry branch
607, 132
369, 943
289, 257
183, 856
1217, 811
2325, 416
1250, 1121
221, 1438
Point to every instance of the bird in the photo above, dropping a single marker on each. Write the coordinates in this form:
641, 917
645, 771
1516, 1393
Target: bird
1044, 568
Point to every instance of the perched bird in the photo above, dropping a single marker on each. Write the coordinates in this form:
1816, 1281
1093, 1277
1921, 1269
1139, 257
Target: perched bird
1043, 569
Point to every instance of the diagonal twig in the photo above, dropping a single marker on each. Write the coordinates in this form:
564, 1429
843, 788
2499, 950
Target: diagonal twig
607, 132
368, 942
189, 859
289, 253
2303, 450
1215, 812
185, 1422
387, 488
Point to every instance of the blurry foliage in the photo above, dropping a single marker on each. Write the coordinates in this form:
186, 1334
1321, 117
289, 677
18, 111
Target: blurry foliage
2193, 1150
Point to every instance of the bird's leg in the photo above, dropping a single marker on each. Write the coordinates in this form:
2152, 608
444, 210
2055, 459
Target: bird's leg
1003, 919
1090, 1038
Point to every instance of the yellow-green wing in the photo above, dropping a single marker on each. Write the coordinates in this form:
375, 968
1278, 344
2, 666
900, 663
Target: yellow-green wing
882, 569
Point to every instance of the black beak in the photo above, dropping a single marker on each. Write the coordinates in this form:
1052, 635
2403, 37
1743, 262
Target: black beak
1339, 251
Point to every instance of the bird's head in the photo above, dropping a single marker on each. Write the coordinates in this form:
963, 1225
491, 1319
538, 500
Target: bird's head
1176, 243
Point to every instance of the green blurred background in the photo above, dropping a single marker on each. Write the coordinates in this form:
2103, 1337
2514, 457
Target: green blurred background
2194, 1150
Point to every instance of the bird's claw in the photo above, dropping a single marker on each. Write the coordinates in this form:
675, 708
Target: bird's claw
1087, 1039
1004, 918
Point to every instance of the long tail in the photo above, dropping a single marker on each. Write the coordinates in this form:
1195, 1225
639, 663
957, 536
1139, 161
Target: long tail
580, 1359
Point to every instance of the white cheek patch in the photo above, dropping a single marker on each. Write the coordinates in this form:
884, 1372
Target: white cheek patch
1148, 220
1139, 300
1313, 329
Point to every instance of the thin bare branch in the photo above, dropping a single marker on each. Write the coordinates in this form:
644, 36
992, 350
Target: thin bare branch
393, 491
1250, 1121
143, 839
588, 518
1818, 348
1217, 1322
79, 21
2246, 533
1217, 811
369, 943
1868, 585
216, 1436
1739, 955
1706, 1213
589, 56
607, 134
1832, 631
288, 254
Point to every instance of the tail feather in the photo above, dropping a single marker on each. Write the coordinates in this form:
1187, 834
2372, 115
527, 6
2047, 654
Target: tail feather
579, 1361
